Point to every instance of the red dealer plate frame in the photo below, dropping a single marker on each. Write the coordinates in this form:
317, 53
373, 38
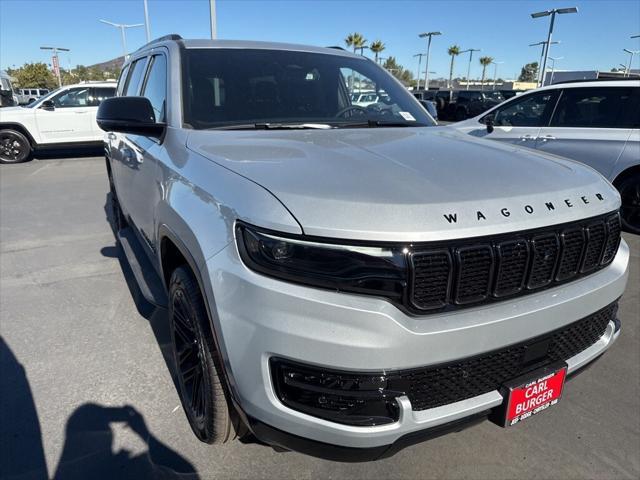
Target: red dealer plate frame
531, 394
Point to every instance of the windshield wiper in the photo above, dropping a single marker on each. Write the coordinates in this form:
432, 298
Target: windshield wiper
378, 124
275, 126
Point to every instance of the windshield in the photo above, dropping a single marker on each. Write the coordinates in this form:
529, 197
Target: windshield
246, 87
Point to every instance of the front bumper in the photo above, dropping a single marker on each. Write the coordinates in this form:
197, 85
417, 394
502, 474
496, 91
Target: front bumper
257, 318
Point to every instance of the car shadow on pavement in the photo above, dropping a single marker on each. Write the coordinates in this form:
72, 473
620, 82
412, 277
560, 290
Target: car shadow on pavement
88, 448
21, 450
59, 153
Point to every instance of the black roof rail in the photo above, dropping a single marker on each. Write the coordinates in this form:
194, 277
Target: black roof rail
171, 36
336, 47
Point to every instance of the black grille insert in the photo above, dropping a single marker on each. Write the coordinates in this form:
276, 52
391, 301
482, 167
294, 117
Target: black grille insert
467, 272
453, 382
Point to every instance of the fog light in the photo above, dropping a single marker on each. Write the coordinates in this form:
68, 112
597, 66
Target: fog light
341, 397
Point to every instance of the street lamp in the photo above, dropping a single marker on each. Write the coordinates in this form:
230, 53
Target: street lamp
470, 50
553, 67
147, 27
122, 27
55, 62
543, 43
631, 54
546, 13
428, 35
495, 73
419, 55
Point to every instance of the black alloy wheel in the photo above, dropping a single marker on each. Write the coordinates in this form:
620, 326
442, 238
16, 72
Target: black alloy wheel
14, 147
630, 211
196, 360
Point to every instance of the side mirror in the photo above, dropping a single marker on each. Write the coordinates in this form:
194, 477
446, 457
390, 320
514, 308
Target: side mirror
129, 115
488, 121
48, 105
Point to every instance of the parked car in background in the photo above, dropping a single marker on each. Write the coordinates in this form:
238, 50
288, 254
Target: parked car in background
29, 95
469, 103
440, 98
64, 118
345, 280
7, 95
430, 106
507, 94
596, 123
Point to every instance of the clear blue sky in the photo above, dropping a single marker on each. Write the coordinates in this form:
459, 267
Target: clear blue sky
592, 39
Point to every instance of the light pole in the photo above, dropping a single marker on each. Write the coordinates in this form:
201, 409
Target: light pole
55, 61
543, 43
146, 20
213, 18
546, 13
631, 54
122, 27
495, 73
470, 50
553, 67
419, 55
428, 35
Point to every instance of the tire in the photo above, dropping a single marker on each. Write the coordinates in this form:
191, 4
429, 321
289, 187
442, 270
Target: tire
119, 221
14, 147
197, 362
629, 190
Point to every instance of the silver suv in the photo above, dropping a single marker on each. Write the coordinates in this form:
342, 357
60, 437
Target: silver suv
343, 280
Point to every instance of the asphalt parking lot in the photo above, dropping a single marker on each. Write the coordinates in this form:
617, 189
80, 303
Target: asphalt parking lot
86, 391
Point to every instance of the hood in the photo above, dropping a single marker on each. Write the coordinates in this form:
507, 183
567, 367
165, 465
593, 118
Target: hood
6, 113
408, 184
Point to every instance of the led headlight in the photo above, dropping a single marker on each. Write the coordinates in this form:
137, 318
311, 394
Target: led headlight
373, 270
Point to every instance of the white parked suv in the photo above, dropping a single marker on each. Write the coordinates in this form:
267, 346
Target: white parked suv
596, 123
64, 118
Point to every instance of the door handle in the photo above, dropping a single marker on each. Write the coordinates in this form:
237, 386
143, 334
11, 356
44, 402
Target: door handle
544, 138
524, 138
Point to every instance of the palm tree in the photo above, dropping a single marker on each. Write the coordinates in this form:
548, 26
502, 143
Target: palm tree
355, 40
454, 51
485, 62
377, 47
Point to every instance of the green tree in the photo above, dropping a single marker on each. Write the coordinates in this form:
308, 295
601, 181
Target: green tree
398, 71
355, 40
377, 47
34, 75
485, 62
529, 72
454, 51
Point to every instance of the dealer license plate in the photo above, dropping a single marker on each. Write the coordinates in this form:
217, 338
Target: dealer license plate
531, 394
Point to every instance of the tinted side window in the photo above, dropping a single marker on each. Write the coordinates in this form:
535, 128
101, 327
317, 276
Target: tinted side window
122, 79
100, 93
155, 88
597, 107
133, 82
528, 111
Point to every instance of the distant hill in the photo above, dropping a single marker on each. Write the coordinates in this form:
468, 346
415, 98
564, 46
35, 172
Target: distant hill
109, 65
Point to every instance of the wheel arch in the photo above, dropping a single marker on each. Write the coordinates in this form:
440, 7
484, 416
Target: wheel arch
626, 173
22, 129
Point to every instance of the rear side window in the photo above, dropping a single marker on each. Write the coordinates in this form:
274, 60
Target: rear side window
133, 82
597, 107
122, 80
155, 88
98, 94
529, 111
